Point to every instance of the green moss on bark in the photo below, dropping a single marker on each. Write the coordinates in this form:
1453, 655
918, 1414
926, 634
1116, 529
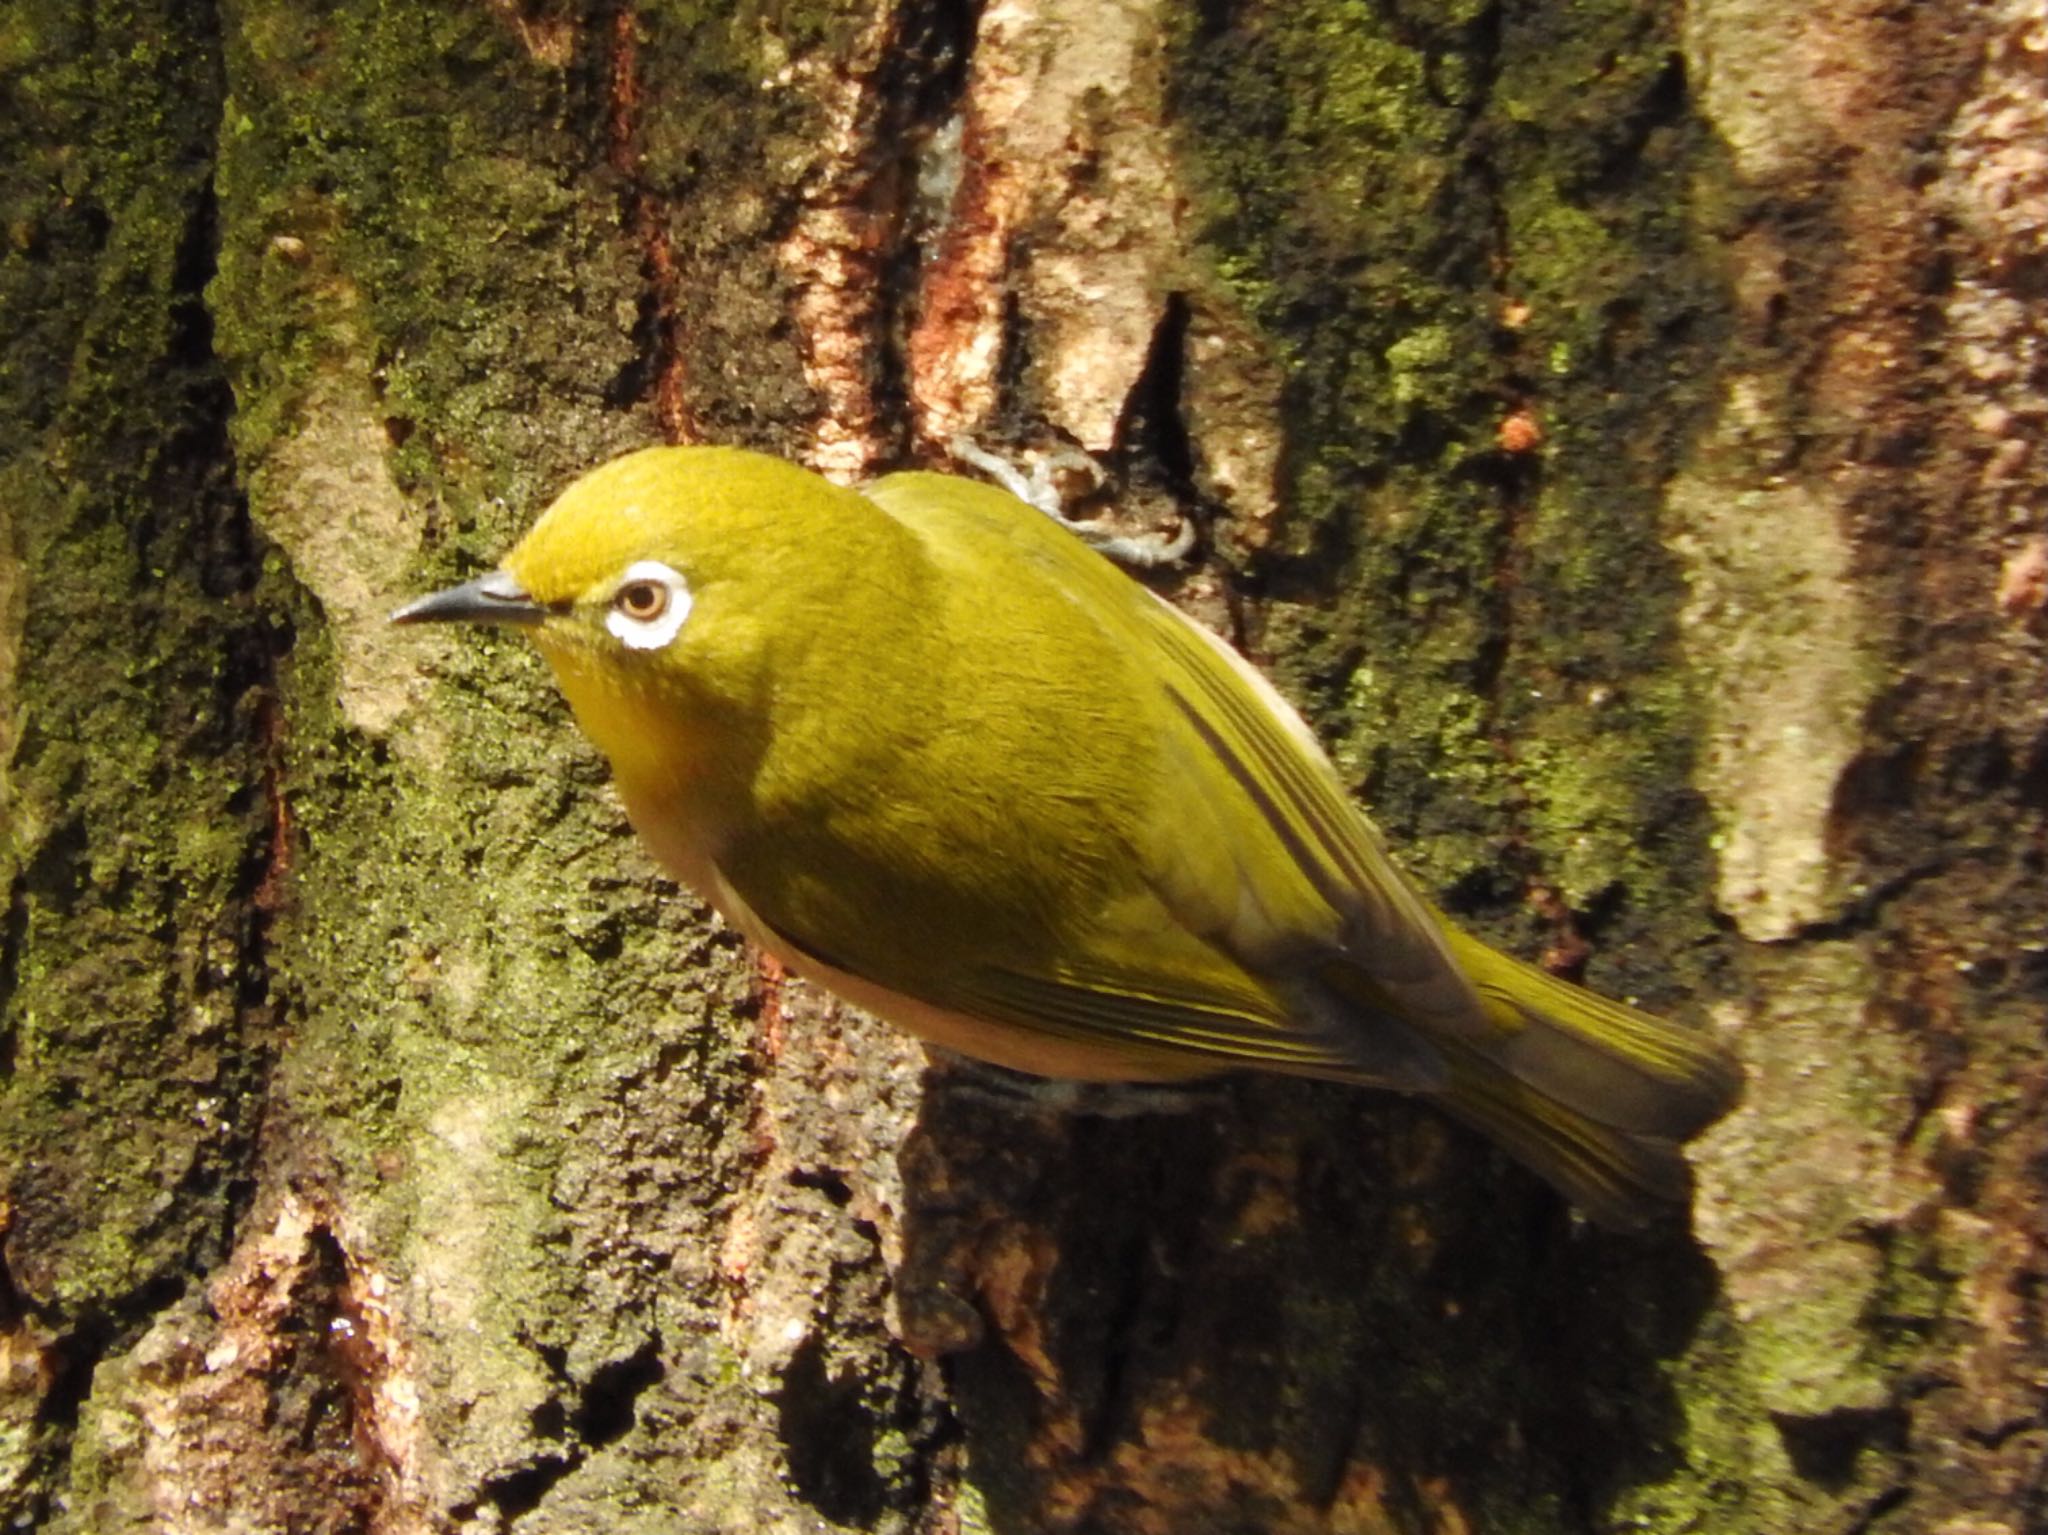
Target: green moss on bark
428, 244
1428, 213
125, 1011
1466, 230
513, 1043
133, 1014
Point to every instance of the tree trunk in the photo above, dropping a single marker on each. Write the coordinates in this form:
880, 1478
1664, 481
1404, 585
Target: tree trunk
1615, 423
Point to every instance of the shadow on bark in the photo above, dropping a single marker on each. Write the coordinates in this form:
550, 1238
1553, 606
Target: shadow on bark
1282, 1310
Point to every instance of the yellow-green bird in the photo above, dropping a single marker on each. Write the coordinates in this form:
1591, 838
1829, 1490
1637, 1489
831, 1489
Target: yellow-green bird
935, 754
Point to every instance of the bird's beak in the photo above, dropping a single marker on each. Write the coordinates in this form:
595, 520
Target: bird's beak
492, 599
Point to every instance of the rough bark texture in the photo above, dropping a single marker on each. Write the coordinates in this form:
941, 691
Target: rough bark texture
1616, 423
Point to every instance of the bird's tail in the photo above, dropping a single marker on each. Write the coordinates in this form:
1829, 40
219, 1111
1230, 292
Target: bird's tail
1597, 1097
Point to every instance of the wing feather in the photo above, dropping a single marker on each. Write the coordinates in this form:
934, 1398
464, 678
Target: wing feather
1384, 928
1236, 1031
1262, 875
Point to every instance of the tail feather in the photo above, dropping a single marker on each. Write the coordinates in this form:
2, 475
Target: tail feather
1595, 1096
1618, 1178
1609, 1062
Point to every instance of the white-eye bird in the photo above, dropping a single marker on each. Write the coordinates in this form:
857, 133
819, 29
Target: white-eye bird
936, 755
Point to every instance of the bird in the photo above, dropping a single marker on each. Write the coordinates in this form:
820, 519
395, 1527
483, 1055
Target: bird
928, 749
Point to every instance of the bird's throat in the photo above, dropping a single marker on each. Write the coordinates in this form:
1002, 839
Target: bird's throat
666, 762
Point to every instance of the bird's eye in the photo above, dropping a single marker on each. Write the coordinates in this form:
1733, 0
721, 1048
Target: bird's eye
648, 606
642, 601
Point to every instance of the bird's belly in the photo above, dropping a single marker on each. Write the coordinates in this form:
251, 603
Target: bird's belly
1033, 1051
688, 850
1019, 1049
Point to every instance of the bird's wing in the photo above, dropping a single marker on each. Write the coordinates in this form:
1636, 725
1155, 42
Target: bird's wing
1148, 1013
1187, 1012
1382, 935
1257, 851
1081, 1017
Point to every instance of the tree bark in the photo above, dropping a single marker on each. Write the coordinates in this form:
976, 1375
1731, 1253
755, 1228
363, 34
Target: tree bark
1615, 423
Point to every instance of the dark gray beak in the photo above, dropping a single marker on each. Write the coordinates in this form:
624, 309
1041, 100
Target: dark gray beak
492, 599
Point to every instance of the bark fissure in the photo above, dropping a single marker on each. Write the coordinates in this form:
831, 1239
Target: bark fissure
657, 374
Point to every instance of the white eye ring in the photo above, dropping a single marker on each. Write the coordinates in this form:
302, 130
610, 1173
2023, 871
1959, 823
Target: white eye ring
648, 606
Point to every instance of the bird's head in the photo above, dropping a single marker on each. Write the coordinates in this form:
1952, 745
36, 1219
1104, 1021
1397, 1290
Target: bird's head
663, 588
